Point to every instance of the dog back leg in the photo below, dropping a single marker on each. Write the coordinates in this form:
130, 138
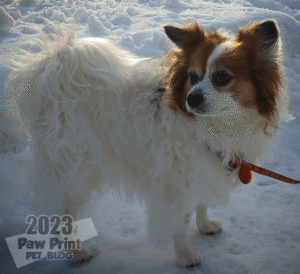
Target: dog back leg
84, 253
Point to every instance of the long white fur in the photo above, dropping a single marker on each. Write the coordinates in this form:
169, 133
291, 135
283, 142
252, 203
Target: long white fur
96, 124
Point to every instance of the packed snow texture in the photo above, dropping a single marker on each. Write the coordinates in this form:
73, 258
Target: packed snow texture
6, 21
261, 223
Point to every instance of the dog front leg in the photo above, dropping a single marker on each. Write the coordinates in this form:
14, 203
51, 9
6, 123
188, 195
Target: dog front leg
205, 225
84, 253
185, 256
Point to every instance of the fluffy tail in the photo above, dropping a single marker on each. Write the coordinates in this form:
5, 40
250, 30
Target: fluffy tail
64, 89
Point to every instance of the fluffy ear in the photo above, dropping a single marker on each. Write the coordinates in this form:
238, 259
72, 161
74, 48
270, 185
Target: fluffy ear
264, 34
268, 31
185, 37
260, 41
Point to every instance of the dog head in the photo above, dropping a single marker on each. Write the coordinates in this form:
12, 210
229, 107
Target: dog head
214, 73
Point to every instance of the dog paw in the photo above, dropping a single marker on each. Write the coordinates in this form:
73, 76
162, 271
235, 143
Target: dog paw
82, 255
189, 259
212, 227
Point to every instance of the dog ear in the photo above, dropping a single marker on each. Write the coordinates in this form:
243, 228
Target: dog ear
261, 43
268, 31
185, 37
262, 35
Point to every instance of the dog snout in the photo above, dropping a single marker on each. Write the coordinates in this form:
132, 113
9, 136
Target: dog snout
195, 98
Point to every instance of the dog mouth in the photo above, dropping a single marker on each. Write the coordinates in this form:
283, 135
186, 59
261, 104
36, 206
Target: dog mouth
206, 109
202, 110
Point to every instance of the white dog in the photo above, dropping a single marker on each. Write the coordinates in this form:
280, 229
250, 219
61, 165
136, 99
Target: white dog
101, 117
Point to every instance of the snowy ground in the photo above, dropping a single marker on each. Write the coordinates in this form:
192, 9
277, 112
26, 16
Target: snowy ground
261, 222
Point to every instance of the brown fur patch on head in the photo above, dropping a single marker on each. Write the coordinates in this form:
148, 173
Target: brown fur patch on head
256, 43
195, 46
235, 61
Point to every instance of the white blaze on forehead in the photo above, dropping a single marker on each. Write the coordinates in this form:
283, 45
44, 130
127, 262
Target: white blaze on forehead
206, 84
219, 50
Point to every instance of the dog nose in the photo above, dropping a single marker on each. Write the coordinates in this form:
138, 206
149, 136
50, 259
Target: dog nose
195, 99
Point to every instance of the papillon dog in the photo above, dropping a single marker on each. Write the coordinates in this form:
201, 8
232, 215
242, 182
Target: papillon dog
165, 130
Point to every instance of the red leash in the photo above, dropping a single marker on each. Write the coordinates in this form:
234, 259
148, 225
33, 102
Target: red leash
246, 176
245, 173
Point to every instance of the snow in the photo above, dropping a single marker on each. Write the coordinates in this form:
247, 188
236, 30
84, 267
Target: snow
261, 222
6, 21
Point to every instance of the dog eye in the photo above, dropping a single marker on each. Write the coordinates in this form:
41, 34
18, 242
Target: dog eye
221, 78
194, 78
